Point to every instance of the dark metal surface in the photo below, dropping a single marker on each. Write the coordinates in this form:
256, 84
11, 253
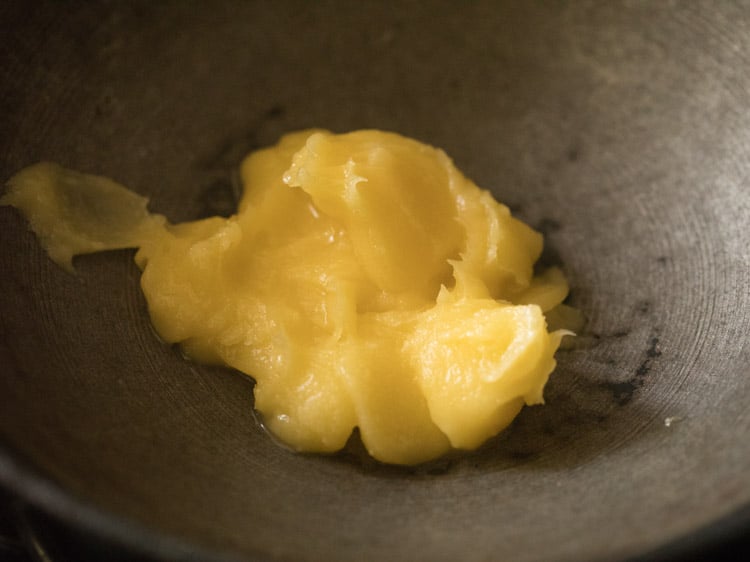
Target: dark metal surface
621, 129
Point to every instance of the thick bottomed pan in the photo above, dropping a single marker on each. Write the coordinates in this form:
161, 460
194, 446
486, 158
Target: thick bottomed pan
620, 129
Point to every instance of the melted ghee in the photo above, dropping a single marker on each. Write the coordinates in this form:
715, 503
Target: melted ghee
364, 282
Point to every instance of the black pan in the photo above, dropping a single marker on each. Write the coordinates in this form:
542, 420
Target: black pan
620, 129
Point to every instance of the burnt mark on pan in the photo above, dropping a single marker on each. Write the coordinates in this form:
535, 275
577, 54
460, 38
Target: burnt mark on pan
550, 256
220, 197
230, 152
617, 334
644, 307
275, 112
547, 226
514, 207
105, 106
573, 154
222, 189
623, 391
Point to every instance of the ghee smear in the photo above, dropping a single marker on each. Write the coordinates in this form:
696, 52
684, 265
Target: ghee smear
364, 282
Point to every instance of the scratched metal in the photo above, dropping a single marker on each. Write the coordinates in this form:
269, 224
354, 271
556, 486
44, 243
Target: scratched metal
620, 129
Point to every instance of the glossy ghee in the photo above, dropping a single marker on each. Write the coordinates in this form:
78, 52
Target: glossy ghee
364, 282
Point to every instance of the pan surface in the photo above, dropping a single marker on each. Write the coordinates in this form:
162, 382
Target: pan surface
620, 129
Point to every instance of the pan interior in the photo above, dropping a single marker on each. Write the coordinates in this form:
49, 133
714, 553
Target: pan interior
618, 129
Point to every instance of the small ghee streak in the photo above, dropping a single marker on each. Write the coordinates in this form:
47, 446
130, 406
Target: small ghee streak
74, 213
363, 283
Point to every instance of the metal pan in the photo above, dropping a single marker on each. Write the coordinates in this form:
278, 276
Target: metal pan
621, 129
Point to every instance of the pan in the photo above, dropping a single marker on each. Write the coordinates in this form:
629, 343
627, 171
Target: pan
619, 129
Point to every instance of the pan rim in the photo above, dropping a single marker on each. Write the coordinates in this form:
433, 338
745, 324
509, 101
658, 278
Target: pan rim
28, 483
25, 481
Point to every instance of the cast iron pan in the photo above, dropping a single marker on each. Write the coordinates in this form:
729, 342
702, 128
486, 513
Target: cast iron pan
620, 129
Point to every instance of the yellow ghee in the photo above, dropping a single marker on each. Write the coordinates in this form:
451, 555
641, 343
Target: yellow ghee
364, 282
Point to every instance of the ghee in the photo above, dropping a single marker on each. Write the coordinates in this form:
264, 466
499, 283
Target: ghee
364, 282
